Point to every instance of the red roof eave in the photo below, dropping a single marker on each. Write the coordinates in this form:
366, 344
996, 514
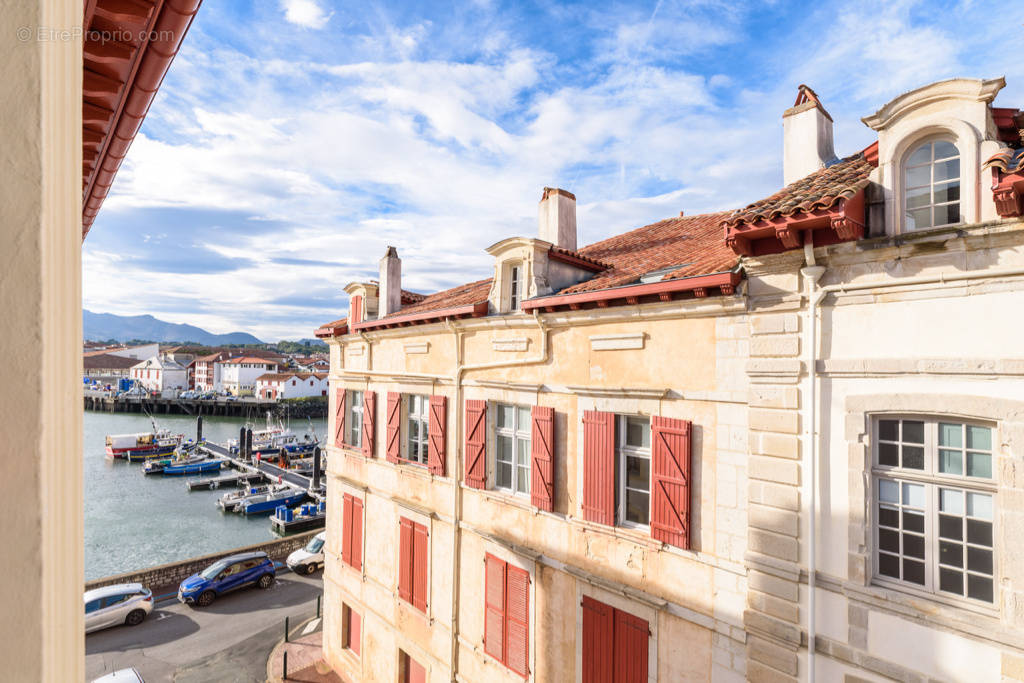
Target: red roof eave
698, 284
1008, 193
471, 310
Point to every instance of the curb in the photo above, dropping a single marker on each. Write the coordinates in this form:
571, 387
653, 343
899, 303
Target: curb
271, 678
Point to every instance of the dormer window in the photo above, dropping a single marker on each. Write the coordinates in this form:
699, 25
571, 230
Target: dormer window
932, 182
515, 287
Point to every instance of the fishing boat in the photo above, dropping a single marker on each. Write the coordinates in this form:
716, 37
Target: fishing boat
229, 501
159, 465
204, 467
143, 445
280, 495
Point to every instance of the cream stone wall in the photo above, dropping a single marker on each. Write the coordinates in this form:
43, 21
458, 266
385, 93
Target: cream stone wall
40, 276
674, 359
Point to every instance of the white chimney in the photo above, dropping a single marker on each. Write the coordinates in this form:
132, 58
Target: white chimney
390, 294
807, 137
556, 217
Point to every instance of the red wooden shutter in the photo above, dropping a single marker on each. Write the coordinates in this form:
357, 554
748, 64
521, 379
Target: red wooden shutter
542, 457
405, 559
494, 607
339, 418
631, 635
393, 447
476, 444
356, 551
414, 671
517, 620
598, 629
346, 531
438, 433
354, 626
599, 466
369, 423
670, 481
355, 314
420, 551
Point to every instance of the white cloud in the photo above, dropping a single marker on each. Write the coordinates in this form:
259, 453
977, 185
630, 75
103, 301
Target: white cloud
305, 13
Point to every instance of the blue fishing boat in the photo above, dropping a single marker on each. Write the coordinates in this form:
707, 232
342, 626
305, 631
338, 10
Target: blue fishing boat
269, 502
204, 467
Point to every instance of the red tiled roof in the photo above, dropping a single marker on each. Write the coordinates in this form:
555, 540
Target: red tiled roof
252, 359
1007, 160
463, 295
106, 361
819, 190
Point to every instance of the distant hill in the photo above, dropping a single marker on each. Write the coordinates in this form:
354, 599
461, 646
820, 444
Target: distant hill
103, 326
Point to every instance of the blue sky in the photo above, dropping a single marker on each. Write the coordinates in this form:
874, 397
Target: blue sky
293, 140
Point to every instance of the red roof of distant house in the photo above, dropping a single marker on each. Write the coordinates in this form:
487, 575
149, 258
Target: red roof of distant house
250, 359
107, 361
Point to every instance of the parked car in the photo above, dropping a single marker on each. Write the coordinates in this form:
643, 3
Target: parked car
122, 603
306, 560
225, 575
121, 676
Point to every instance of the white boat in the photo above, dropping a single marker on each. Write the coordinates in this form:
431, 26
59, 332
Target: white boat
260, 498
229, 501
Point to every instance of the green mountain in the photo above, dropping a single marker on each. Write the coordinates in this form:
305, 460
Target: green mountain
104, 326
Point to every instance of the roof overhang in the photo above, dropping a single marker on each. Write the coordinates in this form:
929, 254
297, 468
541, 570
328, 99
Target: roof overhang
964, 89
329, 331
128, 47
468, 311
698, 286
843, 221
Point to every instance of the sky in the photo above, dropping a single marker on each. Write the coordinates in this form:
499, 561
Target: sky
293, 140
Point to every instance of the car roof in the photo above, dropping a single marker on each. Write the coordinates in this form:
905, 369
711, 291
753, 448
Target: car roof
115, 589
322, 536
243, 556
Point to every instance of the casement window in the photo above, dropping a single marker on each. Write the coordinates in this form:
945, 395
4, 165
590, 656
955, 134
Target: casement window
417, 426
931, 181
351, 627
352, 532
636, 473
515, 287
633, 470
409, 670
413, 553
512, 448
507, 614
614, 644
354, 427
934, 506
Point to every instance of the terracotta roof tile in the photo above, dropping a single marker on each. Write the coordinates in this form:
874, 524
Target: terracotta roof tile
819, 190
107, 361
463, 295
1007, 160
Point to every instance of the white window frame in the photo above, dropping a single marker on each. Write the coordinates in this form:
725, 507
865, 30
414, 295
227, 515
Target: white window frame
515, 287
354, 408
422, 418
933, 481
931, 206
519, 433
622, 451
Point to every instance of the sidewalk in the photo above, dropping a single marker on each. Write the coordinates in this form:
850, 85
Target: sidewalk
305, 663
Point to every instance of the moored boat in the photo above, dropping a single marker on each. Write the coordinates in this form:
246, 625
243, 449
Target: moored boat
159, 465
283, 495
142, 445
229, 501
204, 467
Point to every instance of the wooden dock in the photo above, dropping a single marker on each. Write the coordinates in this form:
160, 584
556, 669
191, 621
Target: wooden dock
242, 407
224, 480
298, 524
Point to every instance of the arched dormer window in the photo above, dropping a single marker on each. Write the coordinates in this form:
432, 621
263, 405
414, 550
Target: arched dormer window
931, 182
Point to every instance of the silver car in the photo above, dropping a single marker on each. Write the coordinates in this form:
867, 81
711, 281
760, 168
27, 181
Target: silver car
123, 603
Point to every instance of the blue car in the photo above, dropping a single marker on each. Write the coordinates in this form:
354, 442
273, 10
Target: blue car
225, 575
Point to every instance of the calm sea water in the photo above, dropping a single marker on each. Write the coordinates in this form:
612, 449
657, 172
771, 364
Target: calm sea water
133, 521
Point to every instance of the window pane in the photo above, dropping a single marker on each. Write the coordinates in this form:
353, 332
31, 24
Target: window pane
637, 507
951, 527
503, 475
948, 214
888, 540
523, 480
913, 431
979, 465
504, 417
918, 197
951, 581
951, 462
889, 565
638, 473
638, 432
921, 155
524, 420
950, 435
919, 218
919, 176
414, 430
947, 192
913, 495
522, 452
979, 533
979, 588
979, 438
979, 560
913, 521
888, 517
913, 546
889, 430
913, 457
888, 491
947, 170
979, 505
913, 571
504, 449
951, 554
889, 454
944, 150
951, 501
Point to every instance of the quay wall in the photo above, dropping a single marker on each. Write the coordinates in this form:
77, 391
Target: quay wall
296, 408
168, 576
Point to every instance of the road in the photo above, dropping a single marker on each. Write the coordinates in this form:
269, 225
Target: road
227, 641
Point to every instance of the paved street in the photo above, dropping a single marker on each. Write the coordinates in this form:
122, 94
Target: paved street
227, 641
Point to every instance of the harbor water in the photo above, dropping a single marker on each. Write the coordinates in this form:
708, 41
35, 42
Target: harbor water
133, 521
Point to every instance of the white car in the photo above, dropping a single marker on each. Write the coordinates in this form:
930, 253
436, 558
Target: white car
121, 676
306, 560
122, 603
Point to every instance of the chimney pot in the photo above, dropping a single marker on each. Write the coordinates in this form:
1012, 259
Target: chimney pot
390, 286
556, 218
807, 136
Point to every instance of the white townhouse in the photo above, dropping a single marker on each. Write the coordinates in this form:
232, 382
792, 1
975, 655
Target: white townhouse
238, 375
160, 374
291, 385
